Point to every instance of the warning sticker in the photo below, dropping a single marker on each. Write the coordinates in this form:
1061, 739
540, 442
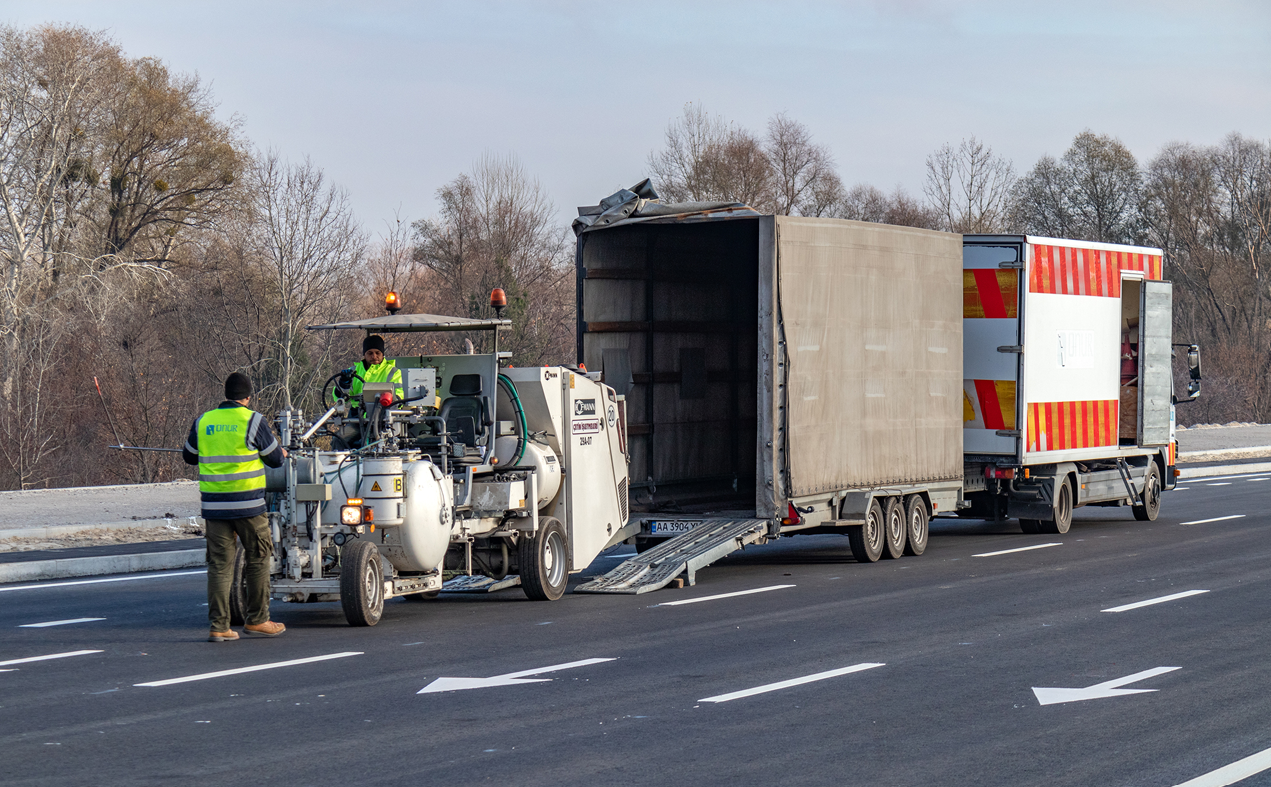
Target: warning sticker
586, 426
375, 487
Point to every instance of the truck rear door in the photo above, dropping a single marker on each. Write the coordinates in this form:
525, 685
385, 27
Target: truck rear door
1155, 363
991, 344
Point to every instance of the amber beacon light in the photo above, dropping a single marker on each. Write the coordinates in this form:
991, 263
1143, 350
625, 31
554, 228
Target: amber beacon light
392, 303
499, 301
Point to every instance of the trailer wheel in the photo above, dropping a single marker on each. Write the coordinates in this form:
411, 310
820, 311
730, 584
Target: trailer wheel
917, 525
1063, 511
894, 533
867, 539
1030, 525
1151, 495
238, 588
361, 583
544, 561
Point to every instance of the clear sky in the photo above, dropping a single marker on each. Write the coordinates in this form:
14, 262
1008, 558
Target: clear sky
394, 99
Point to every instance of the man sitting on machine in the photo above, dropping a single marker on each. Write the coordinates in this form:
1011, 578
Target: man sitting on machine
373, 368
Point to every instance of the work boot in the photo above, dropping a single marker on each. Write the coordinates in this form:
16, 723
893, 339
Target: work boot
266, 629
229, 635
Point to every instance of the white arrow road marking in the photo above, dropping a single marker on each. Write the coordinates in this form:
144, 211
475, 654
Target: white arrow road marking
129, 578
241, 670
1020, 549
1151, 601
510, 679
1230, 774
1049, 696
785, 684
50, 656
57, 623
1215, 519
722, 595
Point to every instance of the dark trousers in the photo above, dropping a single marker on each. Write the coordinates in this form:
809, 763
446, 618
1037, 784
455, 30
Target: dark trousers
258, 546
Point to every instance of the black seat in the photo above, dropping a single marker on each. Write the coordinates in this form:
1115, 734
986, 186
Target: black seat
464, 411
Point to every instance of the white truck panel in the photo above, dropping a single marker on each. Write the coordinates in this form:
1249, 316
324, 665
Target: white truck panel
1073, 348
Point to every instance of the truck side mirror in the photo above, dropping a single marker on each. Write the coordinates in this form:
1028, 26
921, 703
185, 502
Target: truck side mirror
1193, 362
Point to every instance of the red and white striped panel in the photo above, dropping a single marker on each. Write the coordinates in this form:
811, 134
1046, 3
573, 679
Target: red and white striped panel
1064, 270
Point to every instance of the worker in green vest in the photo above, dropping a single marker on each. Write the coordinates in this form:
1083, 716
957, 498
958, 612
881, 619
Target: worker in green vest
373, 368
231, 445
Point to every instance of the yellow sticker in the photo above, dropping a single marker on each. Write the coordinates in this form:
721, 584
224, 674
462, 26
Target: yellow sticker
375, 487
397, 484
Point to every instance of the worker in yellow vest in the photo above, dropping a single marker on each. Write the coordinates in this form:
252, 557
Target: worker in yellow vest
373, 368
231, 445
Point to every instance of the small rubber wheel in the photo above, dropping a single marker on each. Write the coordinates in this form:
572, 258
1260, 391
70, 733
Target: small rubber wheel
643, 545
917, 525
544, 561
867, 539
894, 530
1063, 511
238, 588
1030, 525
1151, 507
361, 583
426, 595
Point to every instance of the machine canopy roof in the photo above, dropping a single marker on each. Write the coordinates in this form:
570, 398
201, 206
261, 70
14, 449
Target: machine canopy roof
404, 323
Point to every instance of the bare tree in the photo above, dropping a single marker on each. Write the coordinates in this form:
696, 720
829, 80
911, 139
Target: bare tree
1092, 193
679, 169
969, 187
869, 203
737, 169
802, 171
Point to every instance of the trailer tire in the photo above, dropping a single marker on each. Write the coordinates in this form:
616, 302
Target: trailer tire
867, 539
238, 588
1063, 511
361, 583
1151, 507
894, 534
544, 561
1030, 526
917, 525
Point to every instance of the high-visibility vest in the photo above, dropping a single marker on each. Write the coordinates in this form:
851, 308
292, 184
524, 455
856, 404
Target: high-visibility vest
231, 473
383, 372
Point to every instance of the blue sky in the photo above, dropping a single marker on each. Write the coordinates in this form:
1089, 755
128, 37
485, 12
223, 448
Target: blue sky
395, 99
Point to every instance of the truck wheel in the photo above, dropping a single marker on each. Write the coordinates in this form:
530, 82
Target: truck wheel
238, 589
917, 525
894, 532
1063, 511
867, 539
361, 583
1151, 496
544, 561
1030, 525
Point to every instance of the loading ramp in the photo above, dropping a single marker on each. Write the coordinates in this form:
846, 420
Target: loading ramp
684, 554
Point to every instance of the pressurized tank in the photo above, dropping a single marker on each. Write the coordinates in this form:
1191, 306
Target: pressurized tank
538, 457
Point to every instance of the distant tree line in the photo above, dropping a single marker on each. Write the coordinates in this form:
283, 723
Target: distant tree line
147, 249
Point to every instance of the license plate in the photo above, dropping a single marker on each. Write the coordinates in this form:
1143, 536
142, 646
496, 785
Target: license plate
673, 526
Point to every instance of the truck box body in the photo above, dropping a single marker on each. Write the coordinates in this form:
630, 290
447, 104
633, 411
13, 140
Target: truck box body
770, 359
1048, 326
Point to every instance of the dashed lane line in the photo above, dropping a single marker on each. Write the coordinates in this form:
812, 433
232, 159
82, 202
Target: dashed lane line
722, 595
1019, 549
1236, 771
128, 578
1215, 519
241, 670
46, 624
785, 684
1151, 601
30, 659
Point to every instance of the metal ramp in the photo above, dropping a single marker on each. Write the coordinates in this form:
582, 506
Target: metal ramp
479, 584
684, 554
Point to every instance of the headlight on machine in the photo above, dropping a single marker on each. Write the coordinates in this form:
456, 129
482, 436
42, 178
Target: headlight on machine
351, 513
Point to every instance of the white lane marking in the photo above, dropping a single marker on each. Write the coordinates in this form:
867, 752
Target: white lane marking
722, 595
241, 670
1110, 688
510, 679
109, 579
66, 655
785, 684
1215, 519
57, 623
1151, 601
1179, 489
1020, 549
1224, 483
1236, 771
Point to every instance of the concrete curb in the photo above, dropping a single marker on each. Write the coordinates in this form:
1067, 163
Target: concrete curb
53, 531
1207, 472
105, 564
1248, 452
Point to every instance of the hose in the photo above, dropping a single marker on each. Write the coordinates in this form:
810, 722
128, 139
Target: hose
522, 429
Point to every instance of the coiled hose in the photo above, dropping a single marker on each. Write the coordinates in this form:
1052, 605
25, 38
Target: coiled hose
522, 429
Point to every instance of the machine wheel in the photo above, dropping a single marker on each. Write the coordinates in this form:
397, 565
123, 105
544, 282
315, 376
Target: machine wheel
1063, 511
867, 540
1030, 525
917, 525
238, 588
643, 545
1151, 495
427, 595
894, 534
544, 561
361, 583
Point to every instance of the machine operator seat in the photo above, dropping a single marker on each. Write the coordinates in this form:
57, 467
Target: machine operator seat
465, 412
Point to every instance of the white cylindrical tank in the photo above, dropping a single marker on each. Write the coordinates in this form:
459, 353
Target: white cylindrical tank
424, 535
538, 457
382, 487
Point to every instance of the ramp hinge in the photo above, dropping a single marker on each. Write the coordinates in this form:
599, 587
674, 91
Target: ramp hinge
1011, 348
1007, 433
1011, 265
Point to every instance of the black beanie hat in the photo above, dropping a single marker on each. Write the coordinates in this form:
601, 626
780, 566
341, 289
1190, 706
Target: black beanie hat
373, 342
238, 386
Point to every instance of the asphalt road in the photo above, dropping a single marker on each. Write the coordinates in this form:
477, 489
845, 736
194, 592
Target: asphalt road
947, 647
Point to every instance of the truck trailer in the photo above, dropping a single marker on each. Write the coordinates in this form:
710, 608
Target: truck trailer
788, 375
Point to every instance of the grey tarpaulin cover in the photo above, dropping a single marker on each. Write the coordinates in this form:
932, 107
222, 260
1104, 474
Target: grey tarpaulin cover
641, 203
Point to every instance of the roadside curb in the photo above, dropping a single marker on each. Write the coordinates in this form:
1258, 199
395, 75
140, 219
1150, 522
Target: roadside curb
53, 531
1206, 472
105, 564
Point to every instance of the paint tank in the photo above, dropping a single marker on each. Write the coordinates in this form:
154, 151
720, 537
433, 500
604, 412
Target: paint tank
419, 543
538, 457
